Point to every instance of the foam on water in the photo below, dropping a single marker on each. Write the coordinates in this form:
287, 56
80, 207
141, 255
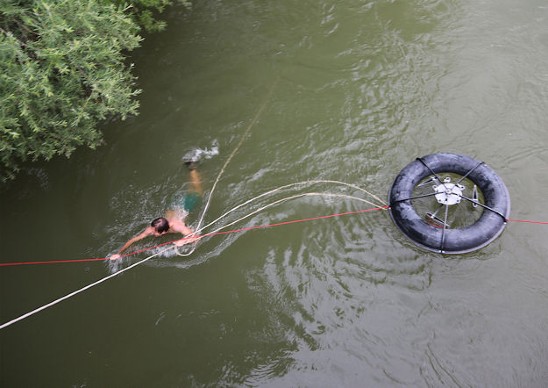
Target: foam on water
197, 154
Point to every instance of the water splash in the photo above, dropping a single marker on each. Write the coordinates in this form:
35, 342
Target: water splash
196, 155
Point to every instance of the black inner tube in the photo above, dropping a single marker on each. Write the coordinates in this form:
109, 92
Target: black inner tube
438, 236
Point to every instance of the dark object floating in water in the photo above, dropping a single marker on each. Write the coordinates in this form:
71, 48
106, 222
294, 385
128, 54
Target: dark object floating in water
463, 202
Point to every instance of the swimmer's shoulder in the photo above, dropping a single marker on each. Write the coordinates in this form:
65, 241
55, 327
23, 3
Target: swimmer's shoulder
177, 225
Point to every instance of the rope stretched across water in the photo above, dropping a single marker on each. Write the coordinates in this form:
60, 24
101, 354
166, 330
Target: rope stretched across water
217, 232
384, 206
257, 115
377, 207
528, 221
211, 234
77, 291
382, 203
236, 149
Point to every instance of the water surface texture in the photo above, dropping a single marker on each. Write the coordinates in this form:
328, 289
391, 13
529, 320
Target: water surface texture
292, 91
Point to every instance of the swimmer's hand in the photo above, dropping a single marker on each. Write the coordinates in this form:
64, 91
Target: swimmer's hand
186, 240
116, 256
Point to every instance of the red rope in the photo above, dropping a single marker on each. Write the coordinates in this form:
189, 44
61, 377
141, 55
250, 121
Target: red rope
296, 221
528, 221
203, 235
230, 232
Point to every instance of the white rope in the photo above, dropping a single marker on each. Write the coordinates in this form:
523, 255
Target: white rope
297, 184
279, 201
310, 182
290, 198
199, 229
248, 129
78, 291
302, 183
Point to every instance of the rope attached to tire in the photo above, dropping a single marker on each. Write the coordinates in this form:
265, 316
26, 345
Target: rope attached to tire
431, 230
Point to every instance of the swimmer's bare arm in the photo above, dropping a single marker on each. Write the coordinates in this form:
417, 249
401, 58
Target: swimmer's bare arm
140, 236
180, 227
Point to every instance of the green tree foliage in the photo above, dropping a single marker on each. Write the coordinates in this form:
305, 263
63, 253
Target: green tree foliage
62, 70
146, 11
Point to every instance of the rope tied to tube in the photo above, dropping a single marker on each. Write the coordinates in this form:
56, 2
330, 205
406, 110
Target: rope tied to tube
211, 234
218, 232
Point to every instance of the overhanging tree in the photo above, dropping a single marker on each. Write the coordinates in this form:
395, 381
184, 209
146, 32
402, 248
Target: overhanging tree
146, 11
62, 70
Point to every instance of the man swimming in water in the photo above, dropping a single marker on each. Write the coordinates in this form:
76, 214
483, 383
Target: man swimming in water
173, 222
159, 227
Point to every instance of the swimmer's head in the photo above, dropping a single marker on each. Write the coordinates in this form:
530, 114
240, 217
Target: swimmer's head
160, 225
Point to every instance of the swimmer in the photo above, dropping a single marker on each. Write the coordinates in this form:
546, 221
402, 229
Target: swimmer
159, 227
173, 222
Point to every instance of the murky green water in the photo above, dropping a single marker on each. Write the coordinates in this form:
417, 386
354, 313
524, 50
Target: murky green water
350, 91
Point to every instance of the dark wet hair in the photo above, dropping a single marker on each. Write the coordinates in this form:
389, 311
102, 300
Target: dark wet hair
160, 225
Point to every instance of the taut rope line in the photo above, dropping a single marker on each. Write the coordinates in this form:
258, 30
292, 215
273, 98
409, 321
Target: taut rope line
210, 234
217, 232
528, 221
78, 291
290, 222
291, 185
248, 129
282, 200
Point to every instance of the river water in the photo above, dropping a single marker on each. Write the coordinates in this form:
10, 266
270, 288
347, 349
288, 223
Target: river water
286, 92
